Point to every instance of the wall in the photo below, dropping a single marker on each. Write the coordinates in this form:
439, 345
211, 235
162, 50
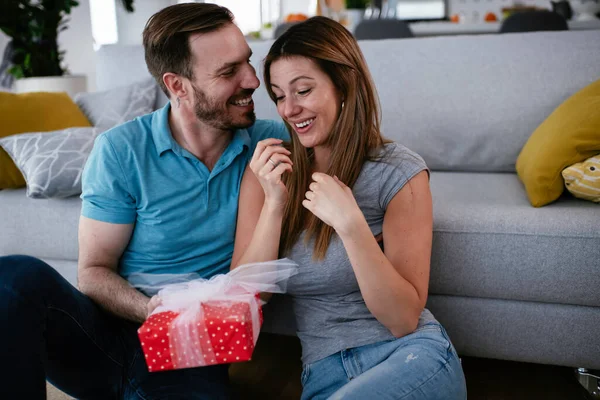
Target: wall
78, 43
307, 7
131, 25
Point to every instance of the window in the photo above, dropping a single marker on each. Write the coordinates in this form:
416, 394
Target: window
104, 22
250, 15
421, 9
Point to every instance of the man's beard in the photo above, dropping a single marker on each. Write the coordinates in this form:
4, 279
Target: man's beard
217, 115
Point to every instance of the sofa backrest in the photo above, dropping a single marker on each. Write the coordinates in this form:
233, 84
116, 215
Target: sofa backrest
465, 103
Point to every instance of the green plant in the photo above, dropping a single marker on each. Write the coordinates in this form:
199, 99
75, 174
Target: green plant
33, 26
357, 4
128, 4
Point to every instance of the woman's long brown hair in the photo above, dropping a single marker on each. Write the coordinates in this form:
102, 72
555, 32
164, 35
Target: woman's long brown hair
353, 137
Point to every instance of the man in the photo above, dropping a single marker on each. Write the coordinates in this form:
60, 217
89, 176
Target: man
159, 195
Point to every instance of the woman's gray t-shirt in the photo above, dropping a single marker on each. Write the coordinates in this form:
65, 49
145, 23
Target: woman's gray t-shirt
331, 314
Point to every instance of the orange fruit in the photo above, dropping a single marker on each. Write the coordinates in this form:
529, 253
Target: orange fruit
490, 17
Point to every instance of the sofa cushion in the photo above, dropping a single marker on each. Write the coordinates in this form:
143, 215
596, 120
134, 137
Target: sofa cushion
464, 103
469, 103
33, 112
113, 107
38, 227
52, 162
569, 135
521, 331
489, 242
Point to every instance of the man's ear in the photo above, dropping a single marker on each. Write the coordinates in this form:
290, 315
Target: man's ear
175, 85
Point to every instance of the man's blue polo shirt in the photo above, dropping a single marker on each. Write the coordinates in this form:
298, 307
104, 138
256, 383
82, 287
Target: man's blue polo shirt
184, 214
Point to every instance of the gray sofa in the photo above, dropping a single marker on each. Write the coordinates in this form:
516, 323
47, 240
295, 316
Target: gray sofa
509, 281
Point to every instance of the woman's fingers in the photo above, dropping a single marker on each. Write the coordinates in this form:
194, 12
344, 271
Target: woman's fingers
278, 171
260, 162
262, 146
269, 170
308, 205
279, 158
271, 151
273, 162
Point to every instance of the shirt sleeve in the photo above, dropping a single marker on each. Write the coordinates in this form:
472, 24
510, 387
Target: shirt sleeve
401, 165
265, 129
280, 131
106, 195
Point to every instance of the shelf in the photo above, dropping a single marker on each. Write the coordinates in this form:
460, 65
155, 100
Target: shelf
439, 28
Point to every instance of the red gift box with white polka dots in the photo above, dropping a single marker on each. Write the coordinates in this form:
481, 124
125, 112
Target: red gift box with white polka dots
217, 332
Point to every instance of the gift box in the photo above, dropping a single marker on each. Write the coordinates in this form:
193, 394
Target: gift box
222, 332
208, 322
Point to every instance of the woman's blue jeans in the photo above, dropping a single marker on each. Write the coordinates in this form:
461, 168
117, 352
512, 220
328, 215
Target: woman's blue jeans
419, 366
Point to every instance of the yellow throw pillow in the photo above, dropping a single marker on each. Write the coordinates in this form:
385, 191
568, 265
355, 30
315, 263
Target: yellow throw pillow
583, 179
33, 112
569, 135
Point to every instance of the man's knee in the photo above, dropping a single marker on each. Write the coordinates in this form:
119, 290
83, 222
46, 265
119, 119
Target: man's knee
25, 273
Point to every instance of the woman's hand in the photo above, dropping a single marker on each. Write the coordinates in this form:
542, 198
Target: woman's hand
332, 202
269, 162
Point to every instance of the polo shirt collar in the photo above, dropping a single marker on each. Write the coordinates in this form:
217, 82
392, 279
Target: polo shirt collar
161, 131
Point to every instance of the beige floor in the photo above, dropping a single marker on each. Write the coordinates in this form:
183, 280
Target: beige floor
55, 394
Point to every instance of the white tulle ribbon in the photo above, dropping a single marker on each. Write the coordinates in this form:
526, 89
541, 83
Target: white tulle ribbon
188, 333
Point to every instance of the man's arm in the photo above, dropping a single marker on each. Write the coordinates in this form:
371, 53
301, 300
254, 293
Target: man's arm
101, 245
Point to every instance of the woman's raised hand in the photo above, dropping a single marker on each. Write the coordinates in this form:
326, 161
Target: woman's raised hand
269, 162
332, 202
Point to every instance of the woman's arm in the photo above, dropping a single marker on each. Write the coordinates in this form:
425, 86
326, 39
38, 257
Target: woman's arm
395, 284
261, 203
258, 224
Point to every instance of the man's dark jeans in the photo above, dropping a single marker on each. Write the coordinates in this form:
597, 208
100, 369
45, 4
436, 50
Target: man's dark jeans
50, 330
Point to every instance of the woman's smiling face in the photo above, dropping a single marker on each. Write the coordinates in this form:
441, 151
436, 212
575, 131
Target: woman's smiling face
306, 98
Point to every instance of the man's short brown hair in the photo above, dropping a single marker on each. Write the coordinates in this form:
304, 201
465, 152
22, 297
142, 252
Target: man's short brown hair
166, 37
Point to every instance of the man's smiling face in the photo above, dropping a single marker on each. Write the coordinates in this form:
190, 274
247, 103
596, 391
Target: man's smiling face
224, 80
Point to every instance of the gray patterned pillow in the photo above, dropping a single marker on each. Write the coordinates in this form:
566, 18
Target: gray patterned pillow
116, 106
52, 162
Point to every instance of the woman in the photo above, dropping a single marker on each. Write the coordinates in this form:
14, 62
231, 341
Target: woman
355, 212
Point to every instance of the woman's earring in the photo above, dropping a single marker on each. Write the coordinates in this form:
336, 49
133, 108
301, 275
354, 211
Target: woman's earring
178, 102
342, 105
